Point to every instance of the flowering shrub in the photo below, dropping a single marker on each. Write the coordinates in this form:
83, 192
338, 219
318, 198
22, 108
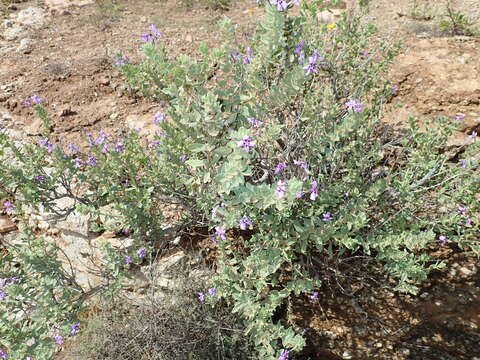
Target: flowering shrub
277, 150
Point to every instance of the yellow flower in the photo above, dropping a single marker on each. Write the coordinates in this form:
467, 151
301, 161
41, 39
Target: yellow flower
331, 27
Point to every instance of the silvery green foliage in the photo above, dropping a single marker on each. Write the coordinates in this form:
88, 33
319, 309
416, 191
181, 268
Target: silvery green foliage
277, 148
309, 98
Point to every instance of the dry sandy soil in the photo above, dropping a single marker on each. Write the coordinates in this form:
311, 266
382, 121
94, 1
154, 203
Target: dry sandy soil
69, 62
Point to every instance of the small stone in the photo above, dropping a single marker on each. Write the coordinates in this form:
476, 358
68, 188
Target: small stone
114, 116
104, 80
405, 351
26, 46
43, 225
424, 295
66, 111
466, 271
6, 225
347, 355
189, 38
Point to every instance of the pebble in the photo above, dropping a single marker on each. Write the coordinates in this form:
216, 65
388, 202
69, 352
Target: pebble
114, 116
347, 355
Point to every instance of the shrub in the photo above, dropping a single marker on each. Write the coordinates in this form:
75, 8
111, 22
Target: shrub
457, 23
275, 149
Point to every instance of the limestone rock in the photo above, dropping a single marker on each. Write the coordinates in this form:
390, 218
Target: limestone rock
6, 225
33, 17
26, 46
61, 5
13, 31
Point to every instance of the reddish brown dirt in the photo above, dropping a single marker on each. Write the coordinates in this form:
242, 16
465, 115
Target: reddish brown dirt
71, 67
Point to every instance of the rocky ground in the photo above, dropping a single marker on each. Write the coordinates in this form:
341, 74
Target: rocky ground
64, 51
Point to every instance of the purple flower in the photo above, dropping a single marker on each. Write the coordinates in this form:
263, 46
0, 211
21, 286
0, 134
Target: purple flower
3, 282
3, 295
314, 296
77, 163
463, 163
154, 143
279, 168
183, 158
284, 355
304, 166
51, 147
8, 207
141, 253
92, 160
14, 280
459, 117
245, 223
126, 232
119, 148
468, 222
120, 61
312, 66
159, 117
58, 339
43, 142
314, 191
161, 133
73, 148
282, 5
128, 260
327, 216
246, 143
155, 32
254, 122
473, 135
146, 38
394, 89
298, 195
299, 51
443, 240
249, 57
220, 232
281, 189
212, 291
75, 329
299, 48
153, 36
3, 354
462, 210
201, 297
355, 105
33, 100
40, 178
236, 55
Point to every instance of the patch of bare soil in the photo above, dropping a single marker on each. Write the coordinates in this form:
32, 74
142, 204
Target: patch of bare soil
69, 63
